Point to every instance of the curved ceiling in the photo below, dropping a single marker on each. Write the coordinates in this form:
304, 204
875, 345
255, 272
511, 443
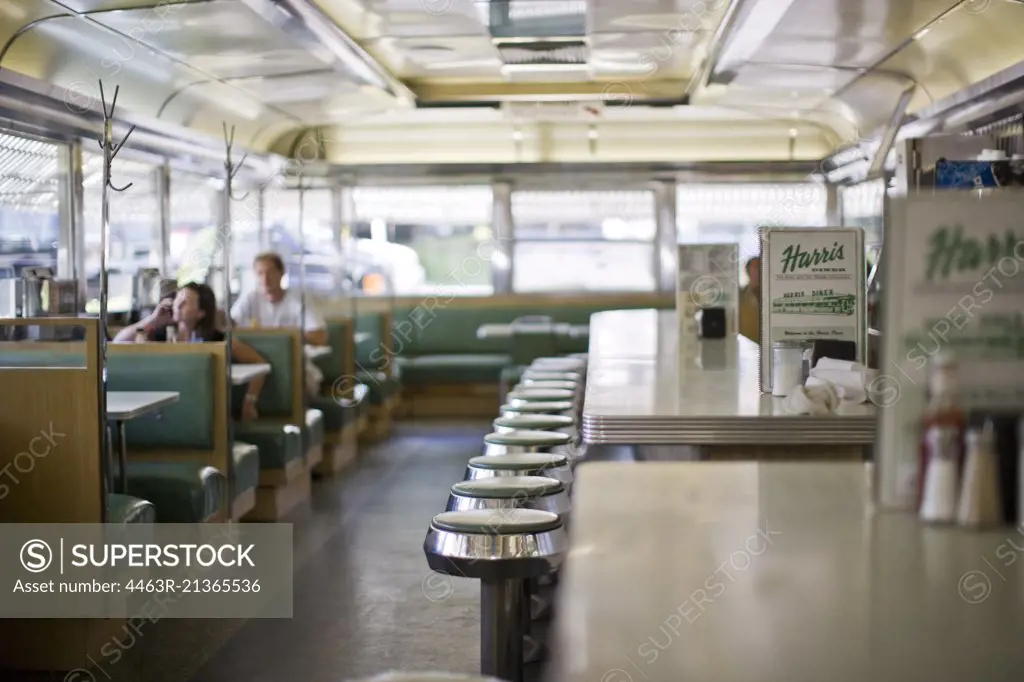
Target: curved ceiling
440, 81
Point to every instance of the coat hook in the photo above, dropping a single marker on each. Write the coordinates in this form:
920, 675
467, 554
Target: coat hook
231, 168
106, 142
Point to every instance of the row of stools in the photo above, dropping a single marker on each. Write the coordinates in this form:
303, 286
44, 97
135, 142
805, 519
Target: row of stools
505, 524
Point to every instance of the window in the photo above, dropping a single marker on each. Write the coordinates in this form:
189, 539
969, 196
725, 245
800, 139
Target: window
195, 237
734, 213
583, 241
30, 196
134, 228
324, 269
413, 240
862, 206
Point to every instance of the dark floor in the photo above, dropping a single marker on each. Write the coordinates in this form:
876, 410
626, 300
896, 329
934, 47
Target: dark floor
365, 601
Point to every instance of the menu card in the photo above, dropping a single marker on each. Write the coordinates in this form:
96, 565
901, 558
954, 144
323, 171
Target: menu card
812, 287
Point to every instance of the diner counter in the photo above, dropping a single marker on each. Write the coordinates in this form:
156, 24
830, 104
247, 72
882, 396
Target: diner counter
643, 388
777, 572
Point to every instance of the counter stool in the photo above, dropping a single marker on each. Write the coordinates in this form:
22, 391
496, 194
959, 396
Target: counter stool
536, 395
511, 492
525, 441
550, 375
547, 464
535, 422
397, 676
548, 385
562, 407
503, 548
519, 492
559, 364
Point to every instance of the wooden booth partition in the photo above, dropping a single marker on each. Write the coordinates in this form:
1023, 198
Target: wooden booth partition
337, 399
51, 418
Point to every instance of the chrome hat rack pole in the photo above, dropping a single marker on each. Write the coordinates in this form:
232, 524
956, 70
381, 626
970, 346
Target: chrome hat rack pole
230, 171
110, 150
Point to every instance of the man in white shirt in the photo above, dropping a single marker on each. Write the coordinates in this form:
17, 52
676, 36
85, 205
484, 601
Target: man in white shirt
273, 306
270, 305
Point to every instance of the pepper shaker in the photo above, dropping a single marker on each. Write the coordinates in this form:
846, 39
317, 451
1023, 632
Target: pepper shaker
980, 506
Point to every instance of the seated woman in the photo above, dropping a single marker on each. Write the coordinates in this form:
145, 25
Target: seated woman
191, 316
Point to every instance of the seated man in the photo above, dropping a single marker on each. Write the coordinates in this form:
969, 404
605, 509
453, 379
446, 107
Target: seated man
271, 305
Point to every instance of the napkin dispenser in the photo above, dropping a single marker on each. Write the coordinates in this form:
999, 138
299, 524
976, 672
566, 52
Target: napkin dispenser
711, 323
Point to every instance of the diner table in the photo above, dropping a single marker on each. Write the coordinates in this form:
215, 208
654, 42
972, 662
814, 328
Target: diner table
314, 352
122, 407
682, 398
242, 374
505, 331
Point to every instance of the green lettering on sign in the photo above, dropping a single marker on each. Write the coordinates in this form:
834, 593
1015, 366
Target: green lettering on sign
950, 252
795, 258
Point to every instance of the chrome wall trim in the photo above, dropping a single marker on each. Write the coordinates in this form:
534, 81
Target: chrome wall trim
26, 28
581, 173
37, 106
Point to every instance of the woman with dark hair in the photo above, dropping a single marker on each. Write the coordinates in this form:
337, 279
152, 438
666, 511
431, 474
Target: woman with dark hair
190, 315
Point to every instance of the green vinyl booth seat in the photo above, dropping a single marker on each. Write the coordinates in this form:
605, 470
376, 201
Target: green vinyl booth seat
182, 492
462, 368
127, 509
336, 416
277, 444
247, 466
437, 343
381, 387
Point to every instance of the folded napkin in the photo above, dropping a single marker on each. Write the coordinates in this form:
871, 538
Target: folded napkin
833, 387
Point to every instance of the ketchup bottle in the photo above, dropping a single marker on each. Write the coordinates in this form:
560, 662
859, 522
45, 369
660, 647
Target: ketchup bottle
943, 412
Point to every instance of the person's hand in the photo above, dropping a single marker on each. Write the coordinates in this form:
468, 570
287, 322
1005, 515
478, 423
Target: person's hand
161, 317
249, 413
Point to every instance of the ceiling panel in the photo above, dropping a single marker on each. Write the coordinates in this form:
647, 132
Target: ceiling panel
845, 33
411, 18
788, 79
159, 8
286, 89
682, 16
224, 38
426, 57
642, 54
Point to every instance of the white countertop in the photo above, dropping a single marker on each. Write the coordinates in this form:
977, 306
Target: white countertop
776, 572
125, 405
243, 374
642, 387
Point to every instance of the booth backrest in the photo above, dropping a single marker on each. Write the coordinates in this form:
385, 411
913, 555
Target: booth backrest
282, 395
442, 327
188, 424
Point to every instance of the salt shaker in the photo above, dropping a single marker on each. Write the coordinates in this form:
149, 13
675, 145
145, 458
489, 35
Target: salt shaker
941, 476
980, 506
